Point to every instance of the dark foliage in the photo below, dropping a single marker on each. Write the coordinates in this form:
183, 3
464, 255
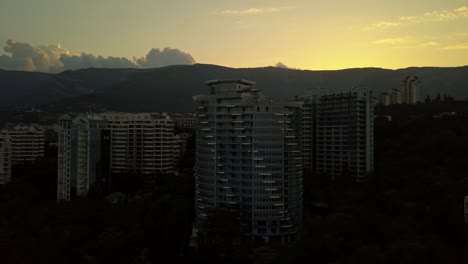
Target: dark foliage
410, 211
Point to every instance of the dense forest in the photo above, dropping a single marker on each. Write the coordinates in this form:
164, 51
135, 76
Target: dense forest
409, 211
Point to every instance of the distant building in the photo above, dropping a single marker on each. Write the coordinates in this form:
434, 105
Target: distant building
345, 135
410, 90
27, 142
83, 156
187, 121
395, 96
385, 98
141, 142
248, 159
5, 159
408, 93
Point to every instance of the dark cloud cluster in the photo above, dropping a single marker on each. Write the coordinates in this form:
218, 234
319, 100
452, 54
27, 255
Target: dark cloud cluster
85, 60
160, 58
23, 56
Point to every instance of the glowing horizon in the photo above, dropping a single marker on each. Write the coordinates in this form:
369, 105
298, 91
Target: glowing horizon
324, 35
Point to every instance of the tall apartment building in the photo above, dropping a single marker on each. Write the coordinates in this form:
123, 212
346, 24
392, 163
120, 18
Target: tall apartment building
27, 142
141, 142
309, 125
5, 159
345, 135
248, 159
83, 156
410, 90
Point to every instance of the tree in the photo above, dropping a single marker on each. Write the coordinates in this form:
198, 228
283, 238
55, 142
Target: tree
428, 99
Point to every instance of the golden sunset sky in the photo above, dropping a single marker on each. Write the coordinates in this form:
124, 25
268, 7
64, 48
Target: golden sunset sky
304, 34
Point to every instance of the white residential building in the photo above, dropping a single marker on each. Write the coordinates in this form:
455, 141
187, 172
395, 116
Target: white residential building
385, 98
27, 142
141, 142
410, 90
309, 125
395, 96
83, 156
248, 159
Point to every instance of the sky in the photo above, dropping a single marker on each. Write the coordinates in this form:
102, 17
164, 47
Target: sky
303, 34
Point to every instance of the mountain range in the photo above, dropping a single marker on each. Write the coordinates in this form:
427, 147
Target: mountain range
170, 89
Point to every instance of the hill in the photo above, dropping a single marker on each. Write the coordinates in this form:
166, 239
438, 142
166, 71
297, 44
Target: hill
171, 88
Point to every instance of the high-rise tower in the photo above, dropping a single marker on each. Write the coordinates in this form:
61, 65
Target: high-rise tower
345, 135
248, 159
83, 156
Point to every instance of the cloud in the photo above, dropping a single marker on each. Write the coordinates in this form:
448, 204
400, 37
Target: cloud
429, 44
252, 11
406, 43
75, 62
444, 15
456, 46
281, 65
24, 56
381, 25
16, 64
157, 58
392, 41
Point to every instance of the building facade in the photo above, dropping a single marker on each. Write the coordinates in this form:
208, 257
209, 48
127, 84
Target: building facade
83, 156
408, 93
385, 98
309, 126
184, 121
27, 142
395, 96
345, 135
248, 159
180, 146
141, 143
5, 159
410, 90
